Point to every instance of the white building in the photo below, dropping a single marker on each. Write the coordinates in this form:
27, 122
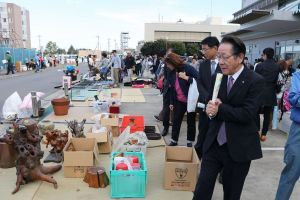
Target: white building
187, 32
270, 23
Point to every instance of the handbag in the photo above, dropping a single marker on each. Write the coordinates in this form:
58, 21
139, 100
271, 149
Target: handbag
160, 83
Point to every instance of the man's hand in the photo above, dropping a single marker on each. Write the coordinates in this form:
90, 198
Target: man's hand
212, 107
183, 76
171, 107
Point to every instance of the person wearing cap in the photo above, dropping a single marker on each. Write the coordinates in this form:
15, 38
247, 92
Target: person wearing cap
10, 66
115, 64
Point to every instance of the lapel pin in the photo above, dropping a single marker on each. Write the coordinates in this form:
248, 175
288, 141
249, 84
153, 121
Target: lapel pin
243, 82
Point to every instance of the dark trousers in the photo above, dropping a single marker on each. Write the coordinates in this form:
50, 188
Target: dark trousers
202, 127
266, 111
234, 174
180, 109
10, 68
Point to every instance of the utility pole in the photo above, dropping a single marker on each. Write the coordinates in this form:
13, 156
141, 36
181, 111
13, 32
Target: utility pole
40, 47
211, 7
116, 44
98, 43
108, 44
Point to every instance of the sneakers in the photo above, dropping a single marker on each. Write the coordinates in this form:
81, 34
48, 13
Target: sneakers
164, 132
172, 144
157, 118
189, 144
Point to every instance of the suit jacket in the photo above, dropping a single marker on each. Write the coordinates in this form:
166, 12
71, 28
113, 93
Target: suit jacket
204, 81
238, 111
269, 70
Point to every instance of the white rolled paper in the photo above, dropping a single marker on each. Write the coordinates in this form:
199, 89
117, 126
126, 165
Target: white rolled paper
217, 86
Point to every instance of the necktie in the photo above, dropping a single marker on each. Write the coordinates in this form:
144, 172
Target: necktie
212, 66
222, 131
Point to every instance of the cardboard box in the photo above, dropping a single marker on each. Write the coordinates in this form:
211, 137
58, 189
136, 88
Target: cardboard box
181, 168
85, 155
112, 122
104, 141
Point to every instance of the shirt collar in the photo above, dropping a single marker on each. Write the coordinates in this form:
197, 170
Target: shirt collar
215, 60
237, 74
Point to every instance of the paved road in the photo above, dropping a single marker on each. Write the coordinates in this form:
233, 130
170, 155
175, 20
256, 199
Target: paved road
43, 82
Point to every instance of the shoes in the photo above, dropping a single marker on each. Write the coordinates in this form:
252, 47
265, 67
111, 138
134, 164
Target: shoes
157, 118
164, 132
263, 138
172, 144
220, 178
189, 144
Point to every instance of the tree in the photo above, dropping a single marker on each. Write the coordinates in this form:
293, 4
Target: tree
72, 50
147, 48
192, 49
61, 51
51, 48
178, 47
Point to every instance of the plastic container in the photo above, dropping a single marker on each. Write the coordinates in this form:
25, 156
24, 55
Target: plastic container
136, 123
60, 106
131, 183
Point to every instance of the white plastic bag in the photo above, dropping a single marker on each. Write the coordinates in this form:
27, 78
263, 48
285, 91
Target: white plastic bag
11, 106
131, 142
192, 97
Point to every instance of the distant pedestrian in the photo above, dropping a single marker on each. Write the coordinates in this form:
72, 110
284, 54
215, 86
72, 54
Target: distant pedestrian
10, 66
76, 60
37, 63
115, 64
291, 172
269, 70
248, 64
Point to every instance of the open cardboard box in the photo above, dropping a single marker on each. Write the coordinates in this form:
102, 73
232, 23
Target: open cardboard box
112, 122
84, 155
181, 168
104, 140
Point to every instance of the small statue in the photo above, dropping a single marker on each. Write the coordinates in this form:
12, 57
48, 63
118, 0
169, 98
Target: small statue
76, 128
57, 140
26, 140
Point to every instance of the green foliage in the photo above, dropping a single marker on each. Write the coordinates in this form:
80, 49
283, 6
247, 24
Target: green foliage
72, 50
51, 48
192, 49
61, 51
178, 47
152, 48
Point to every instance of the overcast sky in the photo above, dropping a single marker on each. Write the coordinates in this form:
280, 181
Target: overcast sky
78, 22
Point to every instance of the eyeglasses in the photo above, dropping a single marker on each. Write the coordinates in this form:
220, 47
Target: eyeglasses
224, 57
204, 50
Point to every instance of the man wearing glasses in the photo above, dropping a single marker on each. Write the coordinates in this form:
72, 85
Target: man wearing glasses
206, 70
231, 141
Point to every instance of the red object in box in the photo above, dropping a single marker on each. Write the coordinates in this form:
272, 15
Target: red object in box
136, 123
122, 166
114, 109
133, 159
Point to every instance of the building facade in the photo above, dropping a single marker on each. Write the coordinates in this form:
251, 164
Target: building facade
270, 23
14, 26
187, 32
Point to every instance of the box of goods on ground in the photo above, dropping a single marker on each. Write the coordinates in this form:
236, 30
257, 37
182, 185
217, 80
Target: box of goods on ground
181, 168
128, 183
79, 154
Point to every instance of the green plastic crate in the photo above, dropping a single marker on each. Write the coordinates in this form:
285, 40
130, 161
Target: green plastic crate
131, 183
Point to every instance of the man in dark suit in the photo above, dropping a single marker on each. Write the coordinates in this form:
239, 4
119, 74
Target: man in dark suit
269, 70
206, 70
232, 139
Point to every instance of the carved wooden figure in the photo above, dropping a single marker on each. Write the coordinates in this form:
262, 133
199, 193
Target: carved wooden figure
77, 128
26, 140
57, 140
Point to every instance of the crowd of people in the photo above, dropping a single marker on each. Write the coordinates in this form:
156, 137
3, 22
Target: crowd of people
229, 130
